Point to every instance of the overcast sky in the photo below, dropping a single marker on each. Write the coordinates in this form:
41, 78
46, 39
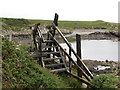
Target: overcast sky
80, 10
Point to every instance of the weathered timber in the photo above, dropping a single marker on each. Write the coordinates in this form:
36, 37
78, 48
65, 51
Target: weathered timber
78, 45
40, 50
48, 41
34, 32
84, 66
51, 59
70, 57
59, 70
70, 64
55, 22
50, 53
48, 46
55, 65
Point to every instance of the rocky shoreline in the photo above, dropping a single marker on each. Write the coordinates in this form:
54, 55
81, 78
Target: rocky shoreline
102, 67
102, 36
96, 34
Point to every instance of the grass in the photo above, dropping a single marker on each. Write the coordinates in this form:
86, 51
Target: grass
106, 81
87, 25
22, 24
15, 24
71, 25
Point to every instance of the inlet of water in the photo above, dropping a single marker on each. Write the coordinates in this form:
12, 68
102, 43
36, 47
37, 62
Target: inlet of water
97, 50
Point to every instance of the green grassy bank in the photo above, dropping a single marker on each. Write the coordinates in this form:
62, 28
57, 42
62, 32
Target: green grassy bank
22, 71
22, 24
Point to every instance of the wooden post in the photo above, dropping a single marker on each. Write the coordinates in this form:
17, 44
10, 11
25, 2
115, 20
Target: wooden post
70, 67
56, 19
78, 45
64, 55
55, 22
40, 50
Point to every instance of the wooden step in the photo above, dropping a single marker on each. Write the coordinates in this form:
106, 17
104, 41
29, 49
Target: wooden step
35, 54
59, 70
54, 65
49, 46
44, 53
51, 59
48, 41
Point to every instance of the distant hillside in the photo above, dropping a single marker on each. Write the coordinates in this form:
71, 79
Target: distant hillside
15, 24
23, 24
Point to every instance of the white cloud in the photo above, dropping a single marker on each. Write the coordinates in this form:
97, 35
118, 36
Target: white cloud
85, 10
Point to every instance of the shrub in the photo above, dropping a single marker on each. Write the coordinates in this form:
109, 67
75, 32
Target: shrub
21, 71
105, 81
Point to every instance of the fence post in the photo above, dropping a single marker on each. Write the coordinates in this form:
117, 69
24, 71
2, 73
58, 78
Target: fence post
78, 45
70, 66
40, 50
55, 22
65, 56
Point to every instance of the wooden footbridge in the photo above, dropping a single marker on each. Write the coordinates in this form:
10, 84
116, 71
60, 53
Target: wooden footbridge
52, 55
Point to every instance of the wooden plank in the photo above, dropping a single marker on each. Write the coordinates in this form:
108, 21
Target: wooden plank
49, 46
59, 70
47, 41
51, 59
50, 53
66, 41
70, 57
78, 45
54, 65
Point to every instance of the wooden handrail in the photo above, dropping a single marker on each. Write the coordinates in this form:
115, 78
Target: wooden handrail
84, 74
68, 44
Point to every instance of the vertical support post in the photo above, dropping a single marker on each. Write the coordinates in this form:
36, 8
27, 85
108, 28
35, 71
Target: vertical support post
55, 22
40, 50
64, 56
70, 60
78, 45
